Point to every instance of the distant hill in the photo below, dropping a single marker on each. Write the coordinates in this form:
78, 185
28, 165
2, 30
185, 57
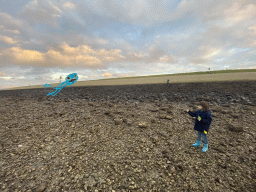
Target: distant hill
133, 79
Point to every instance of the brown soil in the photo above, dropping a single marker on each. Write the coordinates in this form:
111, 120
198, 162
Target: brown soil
127, 138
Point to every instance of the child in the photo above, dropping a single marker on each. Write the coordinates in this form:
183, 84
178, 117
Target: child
202, 124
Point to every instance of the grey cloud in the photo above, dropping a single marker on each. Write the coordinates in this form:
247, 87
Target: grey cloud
41, 12
154, 55
8, 21
39, 71
214, 36
198, 60
151, 13
134, 12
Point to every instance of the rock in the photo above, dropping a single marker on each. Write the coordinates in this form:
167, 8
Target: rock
225, 112
179, 168
168, 117
165, 117
129, 122
217, 179
62, 112
154, 110
162, 116
222, 143
251, 149
89, 183
236, 127
133, 115
3, 173
107, 112
118, 121
142, 125
164, 108
236, 116
41, 187
169, 111
153, 120
171, 169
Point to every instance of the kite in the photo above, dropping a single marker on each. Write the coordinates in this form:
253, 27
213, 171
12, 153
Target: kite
70, 80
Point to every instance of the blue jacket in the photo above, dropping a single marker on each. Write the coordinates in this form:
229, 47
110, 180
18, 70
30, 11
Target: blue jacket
206, 120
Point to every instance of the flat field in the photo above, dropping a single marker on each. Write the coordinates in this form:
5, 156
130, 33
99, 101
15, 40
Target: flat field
227, 75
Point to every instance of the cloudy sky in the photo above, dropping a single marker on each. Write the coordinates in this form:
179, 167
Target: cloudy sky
41, 40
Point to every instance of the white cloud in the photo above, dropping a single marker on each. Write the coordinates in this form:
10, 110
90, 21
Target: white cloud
237, 14
69, 5
22, 77
82, 55
107, 75
209, 53
12, 31
6, 78
8, 40
101, 41
168, 59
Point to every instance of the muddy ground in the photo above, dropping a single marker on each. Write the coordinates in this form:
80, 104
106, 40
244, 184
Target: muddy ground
127, 138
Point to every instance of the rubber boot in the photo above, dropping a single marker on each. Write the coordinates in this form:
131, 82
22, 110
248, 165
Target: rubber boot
197, 144
205, 148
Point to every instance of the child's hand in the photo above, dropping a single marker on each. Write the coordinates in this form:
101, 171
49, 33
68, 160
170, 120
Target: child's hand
187, 110
199, 118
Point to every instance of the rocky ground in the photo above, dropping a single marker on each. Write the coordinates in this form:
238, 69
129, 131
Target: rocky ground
127, 138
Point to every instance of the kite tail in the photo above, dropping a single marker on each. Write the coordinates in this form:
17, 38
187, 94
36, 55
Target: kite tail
47, 85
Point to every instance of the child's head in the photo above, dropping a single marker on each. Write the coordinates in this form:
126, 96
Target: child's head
203, 105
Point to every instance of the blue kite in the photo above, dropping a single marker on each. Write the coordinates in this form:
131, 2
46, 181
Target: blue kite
70, 80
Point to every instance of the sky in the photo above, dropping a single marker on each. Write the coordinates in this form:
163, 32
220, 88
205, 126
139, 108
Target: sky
41, 40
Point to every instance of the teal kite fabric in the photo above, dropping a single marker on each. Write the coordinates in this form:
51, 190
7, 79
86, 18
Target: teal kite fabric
70, 80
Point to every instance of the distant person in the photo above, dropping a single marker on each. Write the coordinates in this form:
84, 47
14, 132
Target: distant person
168, 82
203, 121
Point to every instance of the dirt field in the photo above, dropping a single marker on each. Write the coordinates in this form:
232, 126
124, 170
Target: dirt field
128, 138
156, 80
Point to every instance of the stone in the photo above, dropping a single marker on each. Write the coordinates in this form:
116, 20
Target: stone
142, 125
41, 187
153, 120
236, 116
154, 110
251, 149
118, 121
129, 122
236, 127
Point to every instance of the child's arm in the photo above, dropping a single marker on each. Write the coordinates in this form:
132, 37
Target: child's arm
192, 114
